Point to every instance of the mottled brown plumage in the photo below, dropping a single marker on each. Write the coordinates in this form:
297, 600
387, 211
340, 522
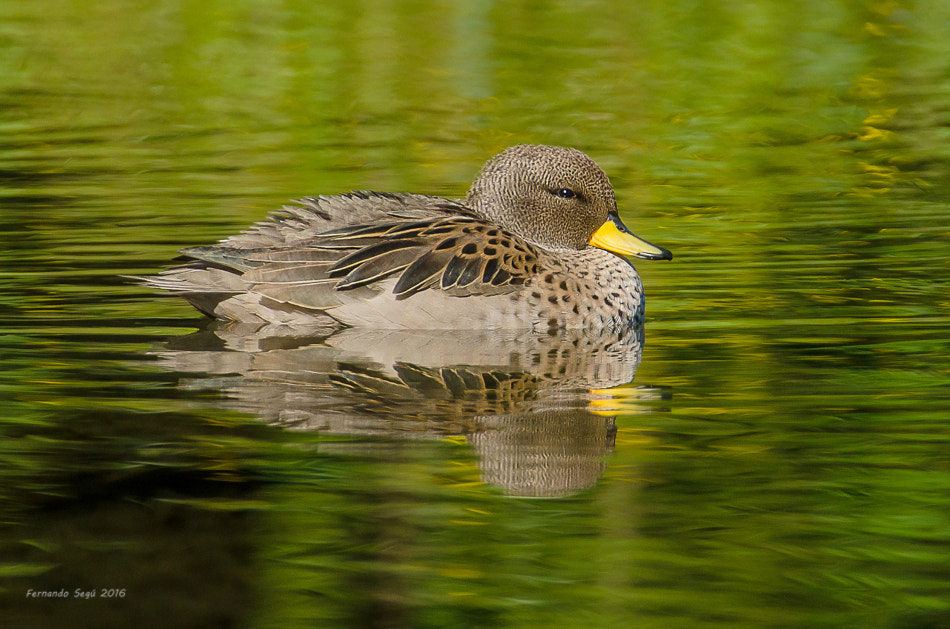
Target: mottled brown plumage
529, 247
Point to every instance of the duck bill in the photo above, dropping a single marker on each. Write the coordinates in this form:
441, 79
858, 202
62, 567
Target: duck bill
614, 236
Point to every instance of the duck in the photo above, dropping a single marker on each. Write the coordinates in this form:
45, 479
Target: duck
537, 243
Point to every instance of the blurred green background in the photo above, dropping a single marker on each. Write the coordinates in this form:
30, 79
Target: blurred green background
793, 155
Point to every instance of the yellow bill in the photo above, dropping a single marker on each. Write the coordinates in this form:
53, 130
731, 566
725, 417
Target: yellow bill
614, 236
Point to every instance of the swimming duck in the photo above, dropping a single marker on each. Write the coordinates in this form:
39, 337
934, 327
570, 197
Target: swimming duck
537, 243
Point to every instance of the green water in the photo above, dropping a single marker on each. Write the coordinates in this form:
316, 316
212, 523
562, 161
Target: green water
773, 452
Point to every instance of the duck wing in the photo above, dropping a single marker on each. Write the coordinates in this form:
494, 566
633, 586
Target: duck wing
307, 217
461, 255
323, 252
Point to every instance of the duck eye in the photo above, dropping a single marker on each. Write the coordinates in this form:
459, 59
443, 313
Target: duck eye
565, 193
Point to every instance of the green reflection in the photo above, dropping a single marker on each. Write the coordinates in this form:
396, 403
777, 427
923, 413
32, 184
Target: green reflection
794, 156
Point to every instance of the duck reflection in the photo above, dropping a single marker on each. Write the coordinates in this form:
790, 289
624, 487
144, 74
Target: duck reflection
528, 403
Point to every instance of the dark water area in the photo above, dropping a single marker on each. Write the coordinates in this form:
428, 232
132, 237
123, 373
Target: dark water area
771, 450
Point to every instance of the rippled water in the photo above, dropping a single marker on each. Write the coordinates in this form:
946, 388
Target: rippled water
772, 450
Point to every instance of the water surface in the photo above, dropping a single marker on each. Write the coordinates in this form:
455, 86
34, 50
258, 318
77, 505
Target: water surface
770, 451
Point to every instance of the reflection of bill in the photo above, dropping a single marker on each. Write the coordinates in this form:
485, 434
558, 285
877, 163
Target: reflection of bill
535, 407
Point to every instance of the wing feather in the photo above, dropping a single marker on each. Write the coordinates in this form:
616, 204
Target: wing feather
314, 252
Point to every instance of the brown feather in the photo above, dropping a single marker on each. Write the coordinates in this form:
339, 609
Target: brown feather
377, 268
